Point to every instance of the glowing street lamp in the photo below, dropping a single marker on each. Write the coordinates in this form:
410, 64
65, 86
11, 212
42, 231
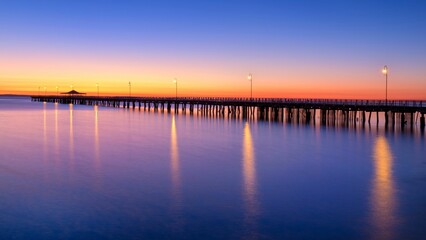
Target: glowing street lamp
175, 81
130, 89
250, 78
385, 72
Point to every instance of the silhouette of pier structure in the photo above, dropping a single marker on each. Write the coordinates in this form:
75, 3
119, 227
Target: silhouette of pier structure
327, 111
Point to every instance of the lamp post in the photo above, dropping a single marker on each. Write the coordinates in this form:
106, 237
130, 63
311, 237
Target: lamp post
175, 81
38, 90
97, 88
130, 89
250, 78
385, 72
57, 90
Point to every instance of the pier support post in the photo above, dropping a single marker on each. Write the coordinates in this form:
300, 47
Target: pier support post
393, 119
363, 118
315, 110
323, 116
422, 121
347, 117
386, 118
308, 116
369, 118
298, 116
355, 119
377, 118
289, 114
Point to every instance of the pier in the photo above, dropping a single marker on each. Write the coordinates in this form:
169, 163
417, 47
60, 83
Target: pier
329, 111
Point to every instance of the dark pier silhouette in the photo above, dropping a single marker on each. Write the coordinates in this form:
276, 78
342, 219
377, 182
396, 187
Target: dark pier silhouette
330, 111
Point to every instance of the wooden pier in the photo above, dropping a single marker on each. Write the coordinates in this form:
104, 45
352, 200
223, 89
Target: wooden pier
330, 111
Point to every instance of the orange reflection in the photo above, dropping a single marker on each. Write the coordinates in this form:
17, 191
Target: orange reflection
56, 133
175, 168
71, 136
383, 199
95, 108
44, 121
176, 178
97, 158
45, 155
250, 184
56, 119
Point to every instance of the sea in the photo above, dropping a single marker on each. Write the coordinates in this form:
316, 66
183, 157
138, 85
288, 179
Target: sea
92, 172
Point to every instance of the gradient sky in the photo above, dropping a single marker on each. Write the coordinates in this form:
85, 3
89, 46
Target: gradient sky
326, 49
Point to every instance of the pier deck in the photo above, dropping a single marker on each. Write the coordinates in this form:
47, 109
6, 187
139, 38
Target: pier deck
346, 111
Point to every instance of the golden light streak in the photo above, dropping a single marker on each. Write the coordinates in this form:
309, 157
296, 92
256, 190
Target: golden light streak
71, 136
250, 182
175, 165
45, 131
383, 199
56, 133
96, 147
176, 177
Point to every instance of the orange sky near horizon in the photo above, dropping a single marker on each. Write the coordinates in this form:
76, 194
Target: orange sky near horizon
30, 76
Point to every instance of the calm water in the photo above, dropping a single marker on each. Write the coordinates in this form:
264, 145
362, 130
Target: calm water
81, 172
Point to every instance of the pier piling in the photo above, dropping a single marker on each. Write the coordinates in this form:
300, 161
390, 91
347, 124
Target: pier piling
331, 111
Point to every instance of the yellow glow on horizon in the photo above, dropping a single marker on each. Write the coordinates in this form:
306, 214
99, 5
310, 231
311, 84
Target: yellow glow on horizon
20, 75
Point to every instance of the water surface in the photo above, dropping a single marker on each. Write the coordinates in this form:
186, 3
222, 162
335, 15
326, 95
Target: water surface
84, 172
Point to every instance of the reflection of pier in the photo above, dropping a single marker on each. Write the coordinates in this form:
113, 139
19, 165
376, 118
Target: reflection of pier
331, 111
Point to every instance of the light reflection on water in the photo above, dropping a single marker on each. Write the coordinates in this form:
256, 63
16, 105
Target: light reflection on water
57, 153
251, 204
175, 177
383, 199
71, 136
97, 160
175, 169
45, 147
124, 174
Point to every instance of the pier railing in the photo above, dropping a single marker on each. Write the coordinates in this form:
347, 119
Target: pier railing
350, 110
356, 102
316, 101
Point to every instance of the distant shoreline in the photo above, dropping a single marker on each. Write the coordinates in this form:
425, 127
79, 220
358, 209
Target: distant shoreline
13, 95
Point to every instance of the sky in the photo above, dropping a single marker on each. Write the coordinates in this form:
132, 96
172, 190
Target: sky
295, 49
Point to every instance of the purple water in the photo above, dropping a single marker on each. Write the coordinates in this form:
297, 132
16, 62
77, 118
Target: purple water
84, 172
